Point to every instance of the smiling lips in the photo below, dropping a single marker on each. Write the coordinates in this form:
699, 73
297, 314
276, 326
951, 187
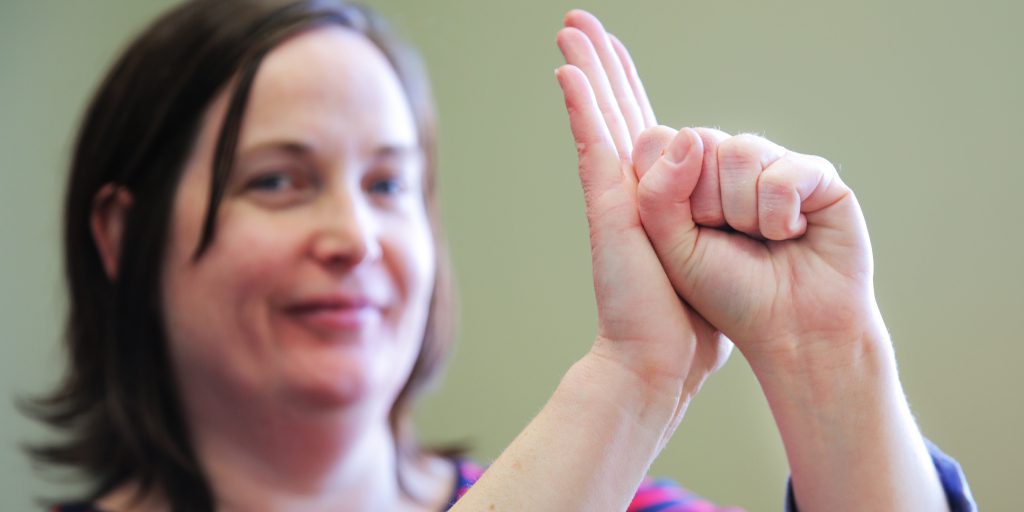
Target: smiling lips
336, 315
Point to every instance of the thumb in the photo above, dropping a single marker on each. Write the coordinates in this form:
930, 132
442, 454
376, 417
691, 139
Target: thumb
649, 146
663, 195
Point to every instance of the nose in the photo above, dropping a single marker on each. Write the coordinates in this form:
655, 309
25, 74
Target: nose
347, 234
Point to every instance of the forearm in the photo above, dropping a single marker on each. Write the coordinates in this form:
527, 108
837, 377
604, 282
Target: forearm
851, 441
587, 449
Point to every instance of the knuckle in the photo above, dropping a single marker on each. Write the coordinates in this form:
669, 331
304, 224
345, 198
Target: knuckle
822, 163
711, 138
712, 133
738, 152
812, 162
773, 185
748, 138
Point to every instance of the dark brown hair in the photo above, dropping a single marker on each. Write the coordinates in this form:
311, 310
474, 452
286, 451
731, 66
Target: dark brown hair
118, 405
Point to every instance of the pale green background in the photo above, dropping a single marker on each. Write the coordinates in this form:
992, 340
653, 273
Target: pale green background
918, 102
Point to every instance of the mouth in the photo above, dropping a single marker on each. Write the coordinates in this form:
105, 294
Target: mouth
336, 315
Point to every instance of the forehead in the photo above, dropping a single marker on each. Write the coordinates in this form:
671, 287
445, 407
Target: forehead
329, 88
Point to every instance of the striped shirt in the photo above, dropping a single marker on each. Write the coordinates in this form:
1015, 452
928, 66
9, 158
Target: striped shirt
654, 495
661, 495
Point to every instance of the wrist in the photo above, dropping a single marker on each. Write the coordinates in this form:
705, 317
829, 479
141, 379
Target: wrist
846, 426
830, 379
823, 398
587, 449
608, 391
619, 392
821, 358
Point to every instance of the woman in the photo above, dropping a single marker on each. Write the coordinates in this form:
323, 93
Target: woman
259, 293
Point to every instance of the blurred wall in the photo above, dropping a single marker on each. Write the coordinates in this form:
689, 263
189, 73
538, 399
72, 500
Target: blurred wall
918, 103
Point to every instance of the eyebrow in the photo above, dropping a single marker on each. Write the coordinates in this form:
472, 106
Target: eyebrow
384, 151
396, 151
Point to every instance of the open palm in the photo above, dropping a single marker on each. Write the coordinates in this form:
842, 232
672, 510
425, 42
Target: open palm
641, 319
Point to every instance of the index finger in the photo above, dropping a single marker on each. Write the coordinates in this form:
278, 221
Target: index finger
613, 68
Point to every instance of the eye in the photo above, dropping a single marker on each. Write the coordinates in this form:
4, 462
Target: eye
272, 182
281, 179
389, 186
281, 186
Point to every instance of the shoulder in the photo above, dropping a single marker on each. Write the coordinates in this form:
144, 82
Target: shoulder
467, 473
653, 495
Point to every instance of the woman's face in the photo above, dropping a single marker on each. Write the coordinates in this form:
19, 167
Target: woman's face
316, 287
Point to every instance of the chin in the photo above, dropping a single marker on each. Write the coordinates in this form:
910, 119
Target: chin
331, 384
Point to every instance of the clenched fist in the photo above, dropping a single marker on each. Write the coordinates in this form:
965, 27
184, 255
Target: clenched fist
767, 244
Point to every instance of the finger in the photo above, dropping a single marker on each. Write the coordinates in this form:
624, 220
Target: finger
706, 202
613, 68
663, 197
599, 163
792, 187
634, 82
649, 146
740, 161
578, 51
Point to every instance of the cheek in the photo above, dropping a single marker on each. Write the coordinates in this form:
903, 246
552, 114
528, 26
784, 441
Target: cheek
252, 253
412, 263
418, 262
217, 307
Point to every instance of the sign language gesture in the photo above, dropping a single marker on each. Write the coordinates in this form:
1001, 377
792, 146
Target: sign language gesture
769, 245
612, 413
695, 233
766, 245
642, 322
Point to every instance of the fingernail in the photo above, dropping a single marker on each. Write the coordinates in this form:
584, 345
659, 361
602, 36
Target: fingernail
679, 147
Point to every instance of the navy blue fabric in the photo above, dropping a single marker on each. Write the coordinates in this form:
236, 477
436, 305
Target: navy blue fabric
954, 483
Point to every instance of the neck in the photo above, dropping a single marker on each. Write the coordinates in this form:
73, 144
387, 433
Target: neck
281, 448
279, 455
299, 465
289, 458
281, 462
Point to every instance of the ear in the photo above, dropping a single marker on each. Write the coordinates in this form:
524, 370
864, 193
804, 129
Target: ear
109, 208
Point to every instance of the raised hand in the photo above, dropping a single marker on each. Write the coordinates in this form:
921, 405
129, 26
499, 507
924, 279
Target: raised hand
741, 229
612, 413
642, 322
769, 245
